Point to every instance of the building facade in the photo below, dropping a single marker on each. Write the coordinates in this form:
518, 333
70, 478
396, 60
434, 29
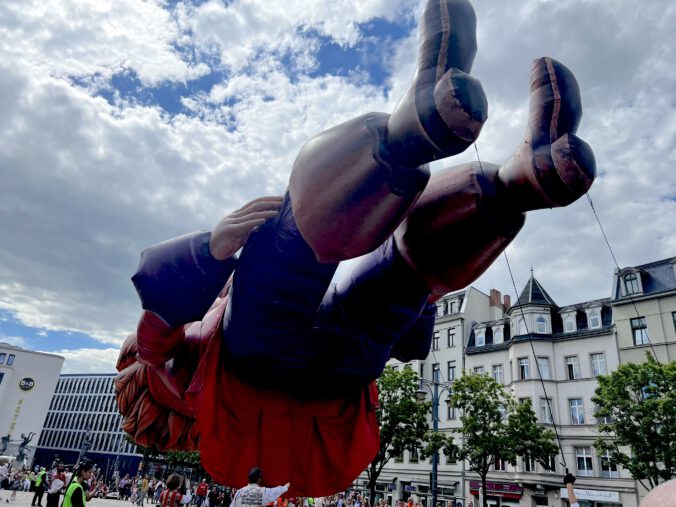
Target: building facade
408, 474
83, 416
644, 307
27, 382
551, 356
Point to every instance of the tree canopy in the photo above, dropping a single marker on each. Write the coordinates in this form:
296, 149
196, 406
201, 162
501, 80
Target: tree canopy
636, 407
494, 426
402, 419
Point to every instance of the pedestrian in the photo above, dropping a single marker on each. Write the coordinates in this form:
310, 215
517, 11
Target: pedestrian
40, 486
55, 486
171, 496
254, 495
77, 494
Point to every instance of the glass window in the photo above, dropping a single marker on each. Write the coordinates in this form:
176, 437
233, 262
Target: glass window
450, 338
441, 308
569, 324
541, 325
594, 319
421, 372
522, 326
497, 335
673, 317
450, 411
543, 367
435, 341
413, 455
10, 360
585, 466
631, 283
572, 367
498, 374
546, 411
499, 465
640, 331
524, 400
436, 377
607, 468
598, 364
480, 339
2, 375
451, 370
478, 369
3, 355
528, 464
576, 411
524, 370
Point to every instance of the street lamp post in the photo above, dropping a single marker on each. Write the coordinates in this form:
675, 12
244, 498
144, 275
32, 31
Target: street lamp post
433, 388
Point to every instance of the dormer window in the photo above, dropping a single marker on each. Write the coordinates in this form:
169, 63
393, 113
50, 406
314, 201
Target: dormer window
441, 308
522, 326
541, 325
569, 324
595, 319
497, 335
631, 284
480, 338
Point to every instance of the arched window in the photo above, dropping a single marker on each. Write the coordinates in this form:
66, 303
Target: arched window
541, 325
594, 319
497, 335
522, 326
569, 324
631, 283
480, 338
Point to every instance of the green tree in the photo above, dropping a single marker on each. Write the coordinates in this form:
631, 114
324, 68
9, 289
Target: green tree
638, 401
495, 426
402, 419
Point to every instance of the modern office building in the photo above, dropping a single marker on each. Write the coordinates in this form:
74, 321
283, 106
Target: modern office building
27, 381
83, 415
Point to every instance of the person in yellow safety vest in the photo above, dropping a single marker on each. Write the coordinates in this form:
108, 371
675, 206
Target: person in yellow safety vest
40, 485
77, 494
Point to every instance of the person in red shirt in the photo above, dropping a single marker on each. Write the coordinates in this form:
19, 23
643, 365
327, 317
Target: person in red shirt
201, 492
171, 496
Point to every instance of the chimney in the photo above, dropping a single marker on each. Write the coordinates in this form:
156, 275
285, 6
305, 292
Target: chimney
507, 303
494, 298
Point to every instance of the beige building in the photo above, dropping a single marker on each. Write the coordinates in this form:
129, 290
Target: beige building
27, 382
644, 307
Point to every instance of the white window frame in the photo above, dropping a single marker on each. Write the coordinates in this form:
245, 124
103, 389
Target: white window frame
584, 453
594, 314
570, 319
612, 471
498, 373
598, 364
524, 368
572, 367
639, 325
576, 409
479, 370
540, 325
498, 335
543, 367
546, 416
480, 338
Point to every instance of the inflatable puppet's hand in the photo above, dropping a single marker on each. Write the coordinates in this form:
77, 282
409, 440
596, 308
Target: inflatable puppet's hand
232, 231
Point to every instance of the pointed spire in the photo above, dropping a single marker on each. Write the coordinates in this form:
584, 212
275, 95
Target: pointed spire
534, 294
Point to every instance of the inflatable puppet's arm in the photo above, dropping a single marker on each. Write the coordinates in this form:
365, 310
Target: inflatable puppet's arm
416, 342
179, 279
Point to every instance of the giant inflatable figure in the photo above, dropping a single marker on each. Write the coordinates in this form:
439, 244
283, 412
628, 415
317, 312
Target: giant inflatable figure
261, 360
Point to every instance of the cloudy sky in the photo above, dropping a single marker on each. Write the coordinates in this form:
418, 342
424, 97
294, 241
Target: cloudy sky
129, 122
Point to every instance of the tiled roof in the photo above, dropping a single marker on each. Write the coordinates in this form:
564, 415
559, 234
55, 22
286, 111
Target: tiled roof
656, 277
534, 294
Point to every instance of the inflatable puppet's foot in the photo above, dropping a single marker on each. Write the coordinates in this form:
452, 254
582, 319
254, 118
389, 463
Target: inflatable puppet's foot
444, 109
552, 167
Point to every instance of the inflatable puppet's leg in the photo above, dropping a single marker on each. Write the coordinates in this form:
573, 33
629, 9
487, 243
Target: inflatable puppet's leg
469, 214
351, 186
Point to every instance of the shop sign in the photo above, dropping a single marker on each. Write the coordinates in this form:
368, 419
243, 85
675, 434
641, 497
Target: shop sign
26, 384
594, 495
500, 489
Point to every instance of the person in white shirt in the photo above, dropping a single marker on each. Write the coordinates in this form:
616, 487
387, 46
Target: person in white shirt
254, 495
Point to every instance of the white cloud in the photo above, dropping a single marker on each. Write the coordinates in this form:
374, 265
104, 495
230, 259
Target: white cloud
88, 360
85, 185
